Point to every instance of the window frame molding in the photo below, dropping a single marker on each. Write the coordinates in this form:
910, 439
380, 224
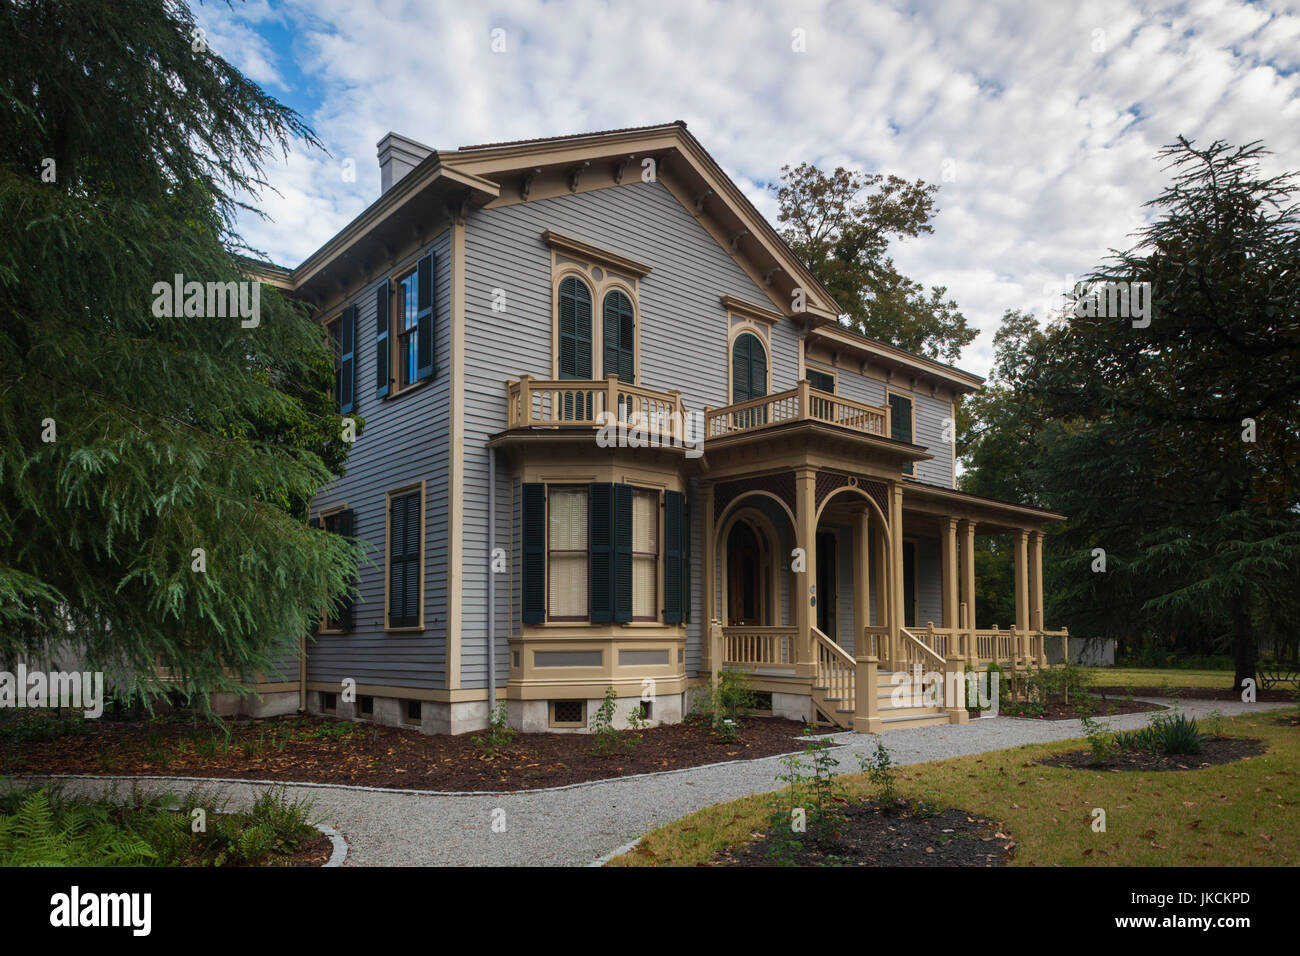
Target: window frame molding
563, 268
399, 270
834, 374
388, 555
911, 401
586, 617
321, 515
737, 330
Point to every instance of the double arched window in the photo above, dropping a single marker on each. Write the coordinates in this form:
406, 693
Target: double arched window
618, 320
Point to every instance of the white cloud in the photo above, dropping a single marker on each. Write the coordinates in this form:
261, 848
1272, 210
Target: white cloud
1053, 139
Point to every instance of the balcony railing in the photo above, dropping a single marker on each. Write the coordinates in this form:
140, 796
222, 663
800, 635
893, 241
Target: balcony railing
568, 403
802, 403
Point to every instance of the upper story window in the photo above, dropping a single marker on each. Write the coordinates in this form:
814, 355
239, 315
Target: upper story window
901, 425
404, 332
748, 368
408, 328
619, 320
822, 381
342, 333
574, 329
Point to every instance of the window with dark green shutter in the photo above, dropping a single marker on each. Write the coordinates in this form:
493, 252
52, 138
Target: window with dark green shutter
533, 558
822, 381
347, 368
383, 318
619, 321
342, 616
414, 315
600, 553
424, 318
674, 566
404, 591
622, 522
748, 378
575, 329
900, 423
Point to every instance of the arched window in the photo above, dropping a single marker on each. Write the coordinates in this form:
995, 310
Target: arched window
575, 329
620, 336
748, 368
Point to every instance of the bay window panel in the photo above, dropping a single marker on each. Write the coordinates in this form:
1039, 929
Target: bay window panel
567, 547
645, 555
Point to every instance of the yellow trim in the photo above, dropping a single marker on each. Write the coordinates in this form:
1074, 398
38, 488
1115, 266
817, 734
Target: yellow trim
749, 311
581, 249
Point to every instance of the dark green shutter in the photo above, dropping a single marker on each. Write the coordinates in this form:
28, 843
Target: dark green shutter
600, 552
674, 579
404, 561
622, 522
620, 337
900, 424
382, 319
424, 318
575, 329
821, 381
533, 569
686, 561
347, 386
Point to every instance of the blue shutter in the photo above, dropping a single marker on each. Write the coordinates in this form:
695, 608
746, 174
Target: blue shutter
347, 385
424, 319
533, 567
622, 583
674, 577
383, 319
600, 553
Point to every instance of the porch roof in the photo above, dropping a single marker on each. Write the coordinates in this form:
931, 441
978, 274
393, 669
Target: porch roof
991, 516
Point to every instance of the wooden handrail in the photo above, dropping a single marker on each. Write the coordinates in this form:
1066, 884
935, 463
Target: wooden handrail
799, 403
559, 403
836, 671
758, 645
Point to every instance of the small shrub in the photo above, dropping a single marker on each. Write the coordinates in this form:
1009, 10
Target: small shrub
882, 773
602, 725
499, 734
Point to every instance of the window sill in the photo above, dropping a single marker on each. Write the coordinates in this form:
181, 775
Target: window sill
395, 393
415, 629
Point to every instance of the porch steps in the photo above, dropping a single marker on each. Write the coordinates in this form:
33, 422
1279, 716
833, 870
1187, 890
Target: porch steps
839, 710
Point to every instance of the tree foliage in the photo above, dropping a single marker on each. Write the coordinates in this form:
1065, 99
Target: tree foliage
840, 225
131, 440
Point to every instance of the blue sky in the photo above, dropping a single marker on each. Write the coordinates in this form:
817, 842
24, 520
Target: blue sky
1039, 121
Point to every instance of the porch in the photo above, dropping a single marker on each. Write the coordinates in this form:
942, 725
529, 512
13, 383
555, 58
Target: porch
834, 576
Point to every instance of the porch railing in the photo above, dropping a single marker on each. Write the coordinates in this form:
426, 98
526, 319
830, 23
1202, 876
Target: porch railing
834, 688
799, 403
541, 403
757, 646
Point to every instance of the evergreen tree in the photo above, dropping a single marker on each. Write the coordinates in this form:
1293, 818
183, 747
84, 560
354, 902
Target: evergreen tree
154, 468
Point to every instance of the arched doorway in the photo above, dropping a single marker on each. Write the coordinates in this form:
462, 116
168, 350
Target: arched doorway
749, 576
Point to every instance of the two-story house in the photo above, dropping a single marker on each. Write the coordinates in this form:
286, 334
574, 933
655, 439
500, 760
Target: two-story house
614, 435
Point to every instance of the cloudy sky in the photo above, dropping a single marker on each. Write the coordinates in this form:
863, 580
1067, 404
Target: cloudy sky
1039, 120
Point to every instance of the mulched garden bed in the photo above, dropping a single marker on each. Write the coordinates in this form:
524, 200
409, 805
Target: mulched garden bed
898, 838
1215, 751
1104, 707
321, 750
1195, 693
315, 852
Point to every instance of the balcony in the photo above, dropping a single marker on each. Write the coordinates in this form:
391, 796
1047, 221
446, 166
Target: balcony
801, 403
579, 403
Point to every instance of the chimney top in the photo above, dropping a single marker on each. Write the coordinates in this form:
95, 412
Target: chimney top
397, 157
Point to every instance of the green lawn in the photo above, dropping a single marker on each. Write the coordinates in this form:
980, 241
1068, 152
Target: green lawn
1157, 677
1237, 814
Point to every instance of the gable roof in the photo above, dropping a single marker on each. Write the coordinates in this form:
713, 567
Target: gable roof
453, 181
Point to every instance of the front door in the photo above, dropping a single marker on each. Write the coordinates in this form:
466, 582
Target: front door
746, 573
827, 578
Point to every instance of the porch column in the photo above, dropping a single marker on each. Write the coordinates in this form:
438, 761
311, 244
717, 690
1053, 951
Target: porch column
968, 584
861, 579
1036, 592
1022, 593
710, 577
896, 612
948, 530
880, 571
805, 612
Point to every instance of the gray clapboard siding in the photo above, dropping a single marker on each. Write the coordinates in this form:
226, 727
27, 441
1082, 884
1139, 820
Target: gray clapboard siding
929, 586
683, 342
405, 440
930, 416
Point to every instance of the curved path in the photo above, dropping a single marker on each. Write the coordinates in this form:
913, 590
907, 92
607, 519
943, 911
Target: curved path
586, 822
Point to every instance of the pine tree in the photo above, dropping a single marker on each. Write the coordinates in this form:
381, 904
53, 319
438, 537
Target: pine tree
154, 469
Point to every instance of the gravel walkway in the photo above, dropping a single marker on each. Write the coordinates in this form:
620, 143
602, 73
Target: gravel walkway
585, 822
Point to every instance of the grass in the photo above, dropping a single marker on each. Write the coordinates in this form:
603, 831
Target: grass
1157, 677
1237, 814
